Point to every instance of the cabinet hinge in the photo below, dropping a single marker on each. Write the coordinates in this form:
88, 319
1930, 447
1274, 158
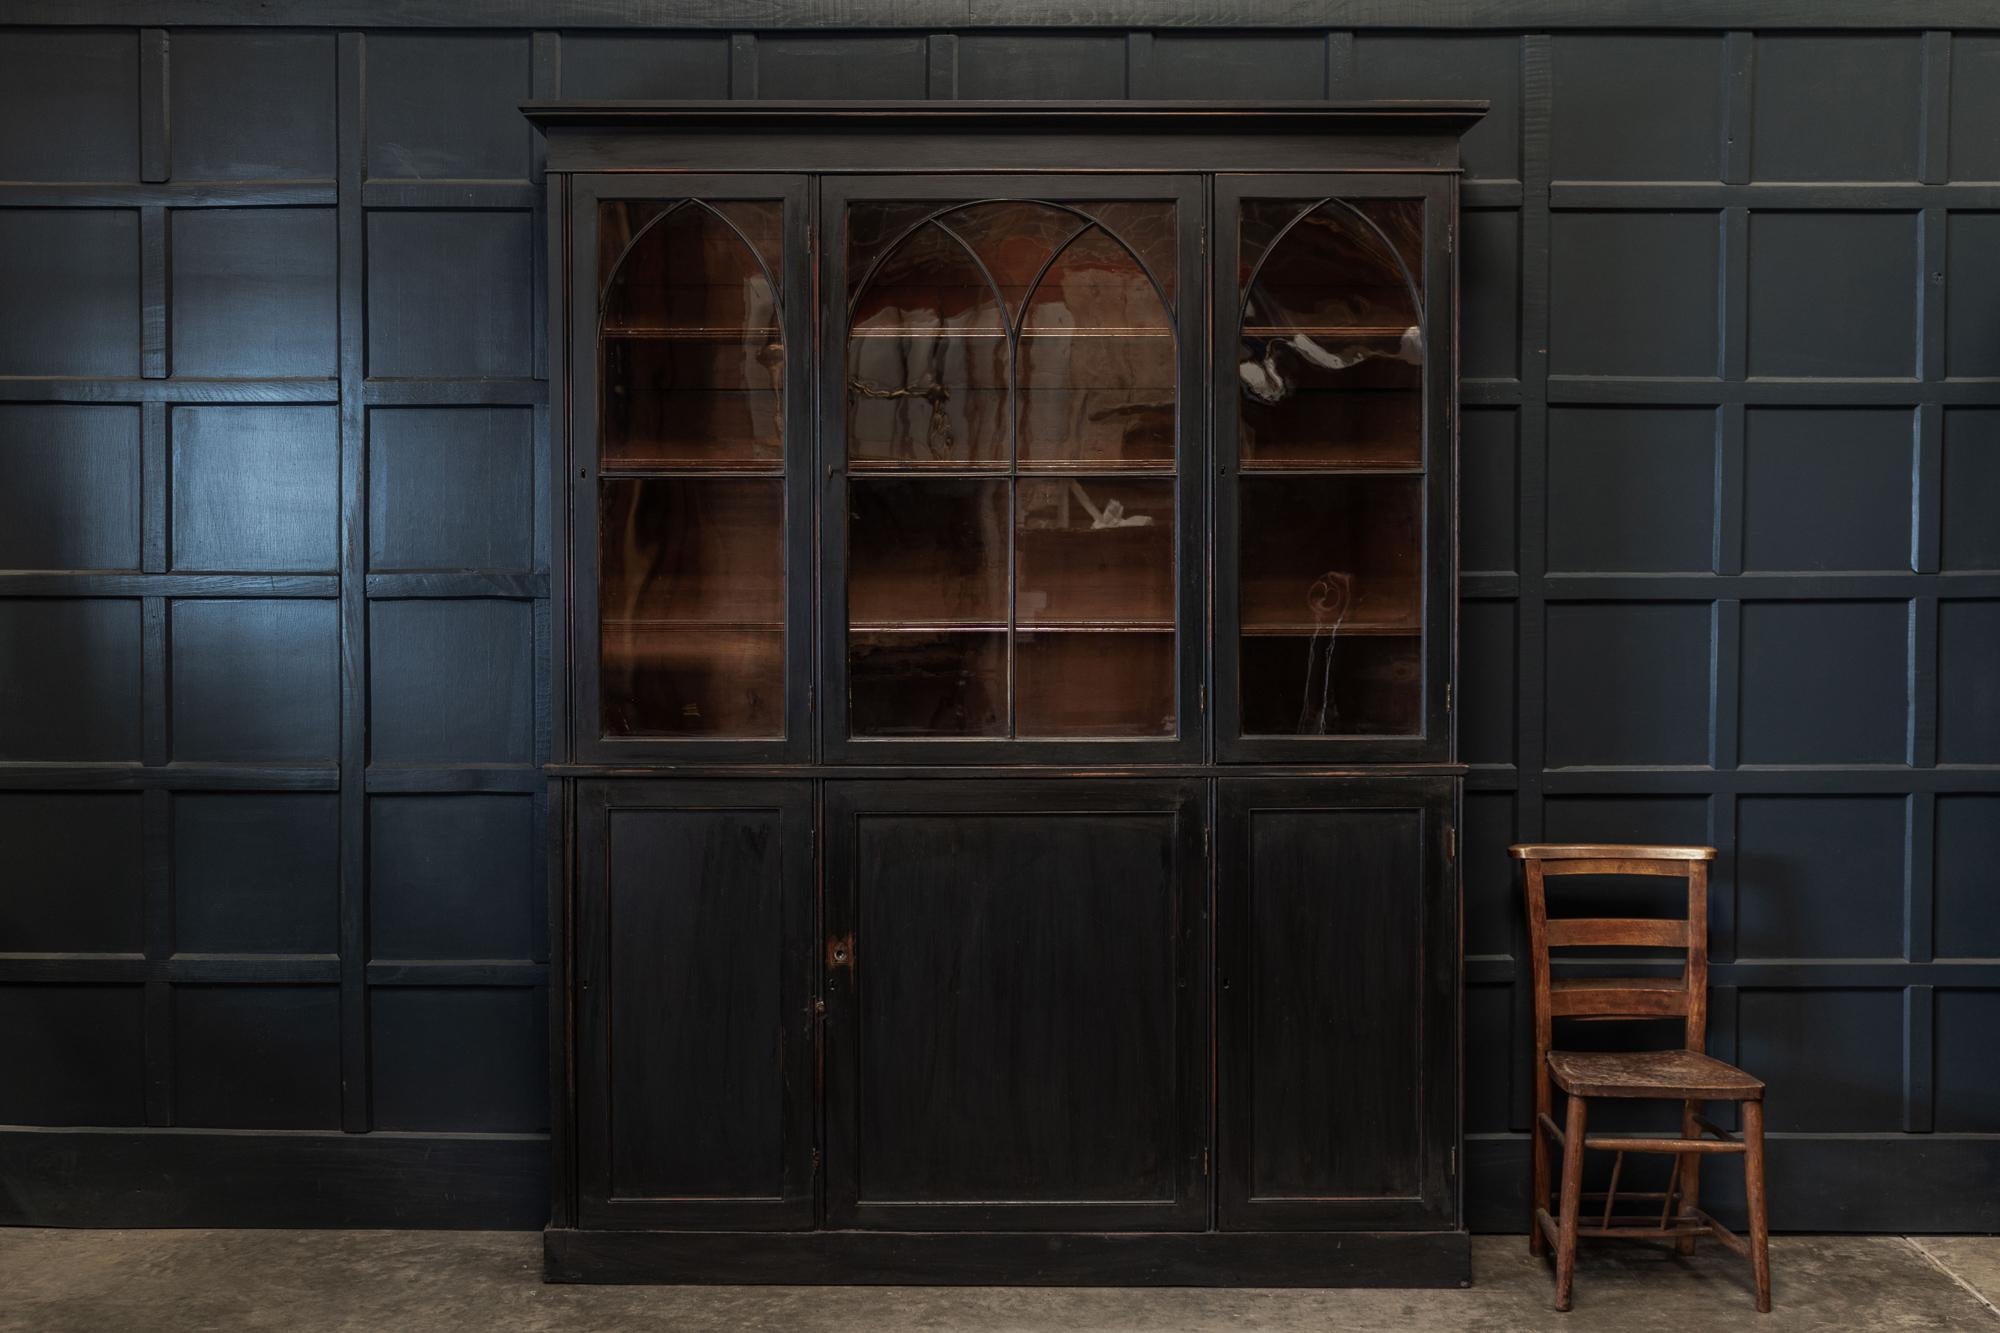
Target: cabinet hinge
1451, 842
1451, 1164
1204, 839
1201, 698
1204, 1162
1447, 696
811, 689
1450, 236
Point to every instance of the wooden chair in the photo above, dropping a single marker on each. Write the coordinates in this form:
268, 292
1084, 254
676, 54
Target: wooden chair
1687, 1075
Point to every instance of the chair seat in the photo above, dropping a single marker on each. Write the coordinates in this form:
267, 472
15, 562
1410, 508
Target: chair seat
1669, 1074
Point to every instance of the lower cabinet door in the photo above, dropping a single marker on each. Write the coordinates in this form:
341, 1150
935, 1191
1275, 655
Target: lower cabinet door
1337, 963
695, 1023
1016, 1028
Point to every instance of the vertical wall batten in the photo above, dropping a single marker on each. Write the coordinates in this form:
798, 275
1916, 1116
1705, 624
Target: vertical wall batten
155, 145
355, 1113
1531, 535
941, 65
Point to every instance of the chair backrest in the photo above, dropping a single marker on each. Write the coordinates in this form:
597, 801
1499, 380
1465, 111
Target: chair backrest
1618, 997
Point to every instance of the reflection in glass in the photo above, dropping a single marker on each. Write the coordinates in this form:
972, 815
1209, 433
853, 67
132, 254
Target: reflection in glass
1095, 550
1330, 364
692, 355
691, 604
1330, 401
691, 514
918, 682
1029, 340
927, 551
1330, 604
927, 357
1097, 361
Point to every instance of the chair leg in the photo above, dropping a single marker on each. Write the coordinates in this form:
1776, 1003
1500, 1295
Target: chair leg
1753, 1196
1690, 1173
1538, 1191
1572, 1201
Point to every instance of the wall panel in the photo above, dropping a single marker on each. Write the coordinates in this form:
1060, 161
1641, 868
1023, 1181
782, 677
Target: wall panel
273, 538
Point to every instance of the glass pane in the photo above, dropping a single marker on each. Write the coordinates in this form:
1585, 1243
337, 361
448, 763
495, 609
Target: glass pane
1094, 682
1014, 239
927, 551
1331, 605
691, 602
919, 683
1024, 605
1330, 364
1095, 551
1097, 362
692, 356
927, 356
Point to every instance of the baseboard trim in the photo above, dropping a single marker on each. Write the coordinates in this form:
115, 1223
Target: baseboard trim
1014, 1259
248, 1178
1936, 1183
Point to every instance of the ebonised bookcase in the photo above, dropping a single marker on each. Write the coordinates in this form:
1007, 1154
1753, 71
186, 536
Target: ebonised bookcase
1004, 771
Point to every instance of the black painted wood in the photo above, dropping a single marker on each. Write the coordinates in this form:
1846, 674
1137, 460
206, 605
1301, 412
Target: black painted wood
128, 1178
588, 738
1016, 1026
1072, 1259
695, 967
122, 135
1337, 973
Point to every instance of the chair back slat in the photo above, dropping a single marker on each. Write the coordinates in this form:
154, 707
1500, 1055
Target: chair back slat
1618, 997
1635, 931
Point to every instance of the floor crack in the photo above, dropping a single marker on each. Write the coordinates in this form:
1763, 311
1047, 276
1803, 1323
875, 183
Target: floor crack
1942, 1267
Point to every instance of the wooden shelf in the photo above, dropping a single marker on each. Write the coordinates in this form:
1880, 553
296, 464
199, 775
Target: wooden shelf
1300, 629
1265, 467
1095, 627
1328, 331
917, 334
998, 468
924, 627
684, 623
692, 335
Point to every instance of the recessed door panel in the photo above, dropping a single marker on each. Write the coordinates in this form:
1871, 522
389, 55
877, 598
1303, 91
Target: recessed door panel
695, 1012
1338, 961
1015, 1013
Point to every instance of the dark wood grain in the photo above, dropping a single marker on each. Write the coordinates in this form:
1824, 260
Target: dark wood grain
695, 1023
1073, 1259
1337, 953
1016, 1041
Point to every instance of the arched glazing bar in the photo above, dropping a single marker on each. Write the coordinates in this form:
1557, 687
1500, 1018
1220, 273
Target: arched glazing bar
1330, 442
1058, 616
691, 504
614, 272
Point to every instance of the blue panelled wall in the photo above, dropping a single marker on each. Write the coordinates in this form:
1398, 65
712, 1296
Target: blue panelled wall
274, 557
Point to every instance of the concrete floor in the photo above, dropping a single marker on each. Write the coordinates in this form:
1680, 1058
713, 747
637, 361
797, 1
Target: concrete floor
418, 1281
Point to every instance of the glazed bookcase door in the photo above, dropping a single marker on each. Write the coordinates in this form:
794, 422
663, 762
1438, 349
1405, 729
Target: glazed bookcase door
1334, 365
691, 453
1012, 527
